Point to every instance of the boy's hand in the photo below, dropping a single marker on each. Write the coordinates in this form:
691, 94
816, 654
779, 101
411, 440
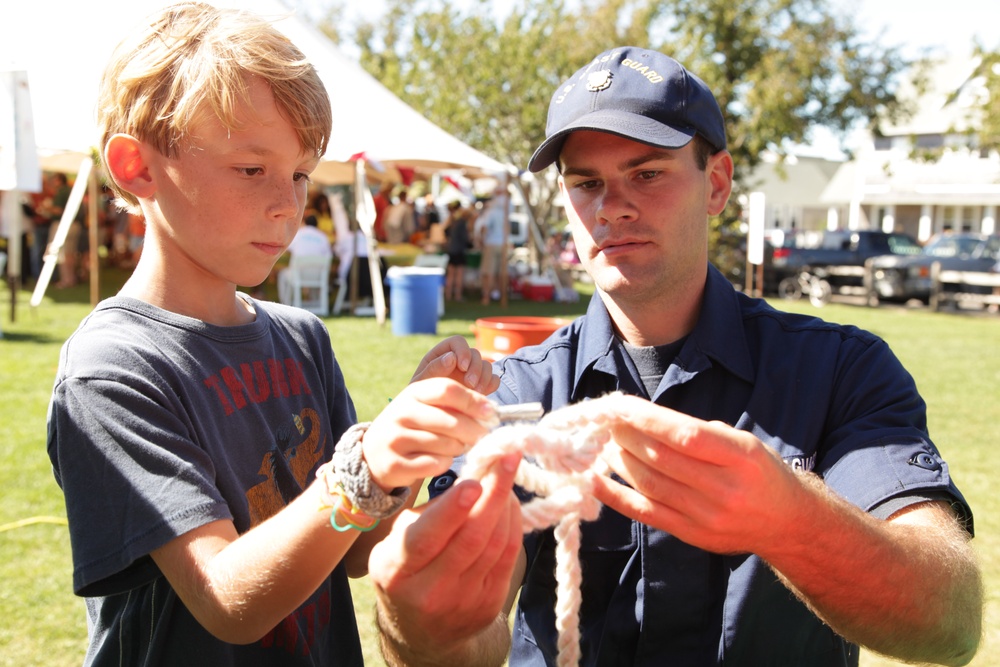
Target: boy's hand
453, 358
419, 433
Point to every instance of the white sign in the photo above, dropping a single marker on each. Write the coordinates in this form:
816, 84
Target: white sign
755, 231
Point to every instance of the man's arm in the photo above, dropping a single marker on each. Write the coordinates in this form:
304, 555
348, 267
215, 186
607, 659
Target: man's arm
908, 587
447, 576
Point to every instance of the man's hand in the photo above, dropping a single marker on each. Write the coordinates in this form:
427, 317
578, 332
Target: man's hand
453, 358
713, 486
444, 574
908, 587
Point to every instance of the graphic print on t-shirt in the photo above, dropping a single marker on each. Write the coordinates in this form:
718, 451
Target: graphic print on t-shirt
298, 442
285, 467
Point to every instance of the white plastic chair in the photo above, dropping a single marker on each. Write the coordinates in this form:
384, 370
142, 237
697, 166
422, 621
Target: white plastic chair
306, 283
437, 262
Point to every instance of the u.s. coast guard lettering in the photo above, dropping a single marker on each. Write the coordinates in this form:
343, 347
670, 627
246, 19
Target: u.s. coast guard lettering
650, 74
801, 463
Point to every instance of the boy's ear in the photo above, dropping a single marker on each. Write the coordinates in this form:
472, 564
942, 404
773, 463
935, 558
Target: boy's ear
126, 165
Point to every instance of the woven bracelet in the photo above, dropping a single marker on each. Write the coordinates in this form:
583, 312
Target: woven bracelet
352, 472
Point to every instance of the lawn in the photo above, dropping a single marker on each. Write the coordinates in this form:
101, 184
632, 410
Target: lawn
954, 358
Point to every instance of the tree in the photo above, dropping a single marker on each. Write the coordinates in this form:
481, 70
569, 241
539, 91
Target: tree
779, 68
989, 132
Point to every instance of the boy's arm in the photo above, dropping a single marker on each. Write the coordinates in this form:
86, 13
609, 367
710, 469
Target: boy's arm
240, 586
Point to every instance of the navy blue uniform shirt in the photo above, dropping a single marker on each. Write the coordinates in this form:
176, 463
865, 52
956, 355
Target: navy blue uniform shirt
831, 399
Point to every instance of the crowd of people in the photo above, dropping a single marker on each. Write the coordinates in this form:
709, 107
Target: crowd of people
119, 233
773, 494
462, 228
461, 231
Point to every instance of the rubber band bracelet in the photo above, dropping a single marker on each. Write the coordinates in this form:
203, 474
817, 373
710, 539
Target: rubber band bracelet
351, 521
336, 501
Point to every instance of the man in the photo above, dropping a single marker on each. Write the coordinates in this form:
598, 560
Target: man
776, 498
489, 235
399, 220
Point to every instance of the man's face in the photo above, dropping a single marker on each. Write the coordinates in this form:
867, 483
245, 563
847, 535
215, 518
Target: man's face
231, 201
639, 213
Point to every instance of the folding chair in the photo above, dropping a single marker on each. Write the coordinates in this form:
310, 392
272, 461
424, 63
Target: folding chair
306, 283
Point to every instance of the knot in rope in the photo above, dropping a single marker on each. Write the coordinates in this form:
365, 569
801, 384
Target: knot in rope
562, 454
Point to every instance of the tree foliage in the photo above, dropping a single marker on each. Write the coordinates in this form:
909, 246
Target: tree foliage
989, 132
779, 68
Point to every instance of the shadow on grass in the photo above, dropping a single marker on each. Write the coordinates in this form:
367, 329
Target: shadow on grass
32, 337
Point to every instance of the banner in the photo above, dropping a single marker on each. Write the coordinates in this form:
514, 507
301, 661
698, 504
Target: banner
19, 166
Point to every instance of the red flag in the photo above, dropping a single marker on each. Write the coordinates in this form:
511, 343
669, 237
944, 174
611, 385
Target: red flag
406, 174
372, 162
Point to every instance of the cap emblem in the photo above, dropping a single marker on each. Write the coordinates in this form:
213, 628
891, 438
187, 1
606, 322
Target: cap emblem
597, 81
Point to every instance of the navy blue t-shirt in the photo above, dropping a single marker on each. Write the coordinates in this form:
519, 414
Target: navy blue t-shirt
831, 399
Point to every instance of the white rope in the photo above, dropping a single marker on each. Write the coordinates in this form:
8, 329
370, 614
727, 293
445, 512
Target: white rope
563, 446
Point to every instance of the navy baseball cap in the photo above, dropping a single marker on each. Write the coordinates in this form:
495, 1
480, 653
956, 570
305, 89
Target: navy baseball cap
635, 93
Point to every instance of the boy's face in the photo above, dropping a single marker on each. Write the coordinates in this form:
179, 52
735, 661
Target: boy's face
231, 201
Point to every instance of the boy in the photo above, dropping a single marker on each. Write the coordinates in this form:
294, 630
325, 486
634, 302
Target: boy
189, 422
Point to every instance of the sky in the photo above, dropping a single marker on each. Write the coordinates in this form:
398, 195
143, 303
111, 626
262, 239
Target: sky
948, 25
916, 26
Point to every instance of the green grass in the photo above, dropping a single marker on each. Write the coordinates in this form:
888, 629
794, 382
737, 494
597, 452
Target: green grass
954, 358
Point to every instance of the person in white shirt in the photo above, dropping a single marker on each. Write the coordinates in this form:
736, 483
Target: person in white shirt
310, 240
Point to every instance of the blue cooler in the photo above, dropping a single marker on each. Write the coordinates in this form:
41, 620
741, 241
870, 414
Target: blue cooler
413, 299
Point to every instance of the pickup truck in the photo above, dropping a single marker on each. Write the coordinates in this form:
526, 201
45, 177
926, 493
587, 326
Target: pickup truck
837, 263
900, 278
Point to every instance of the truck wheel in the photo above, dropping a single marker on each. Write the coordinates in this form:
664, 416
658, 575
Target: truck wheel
820, 293
790, 289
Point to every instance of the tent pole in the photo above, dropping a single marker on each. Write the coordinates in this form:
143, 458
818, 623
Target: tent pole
92, 215
364, 212
69, 213
505, 252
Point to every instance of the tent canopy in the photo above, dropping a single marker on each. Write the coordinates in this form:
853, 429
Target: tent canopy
64, 50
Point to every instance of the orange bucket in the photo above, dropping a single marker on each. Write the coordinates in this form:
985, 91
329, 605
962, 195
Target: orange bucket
497, 337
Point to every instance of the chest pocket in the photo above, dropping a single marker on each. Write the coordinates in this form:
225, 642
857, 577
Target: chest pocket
611, 531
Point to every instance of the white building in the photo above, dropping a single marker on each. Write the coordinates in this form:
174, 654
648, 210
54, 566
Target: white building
925, 175
792, 189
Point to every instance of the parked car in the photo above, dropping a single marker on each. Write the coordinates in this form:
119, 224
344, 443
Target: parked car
837, 264
895, 278
729, 254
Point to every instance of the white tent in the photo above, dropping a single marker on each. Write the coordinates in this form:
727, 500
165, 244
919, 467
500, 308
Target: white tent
64, 47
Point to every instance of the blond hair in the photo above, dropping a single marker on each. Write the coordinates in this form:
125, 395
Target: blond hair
191, 59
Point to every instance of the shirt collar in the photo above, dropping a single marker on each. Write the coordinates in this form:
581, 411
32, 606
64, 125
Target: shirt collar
717, 337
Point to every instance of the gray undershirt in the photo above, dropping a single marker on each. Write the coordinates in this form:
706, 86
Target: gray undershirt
652, 362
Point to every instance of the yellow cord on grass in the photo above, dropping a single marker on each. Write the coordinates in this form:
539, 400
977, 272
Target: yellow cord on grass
58, 520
